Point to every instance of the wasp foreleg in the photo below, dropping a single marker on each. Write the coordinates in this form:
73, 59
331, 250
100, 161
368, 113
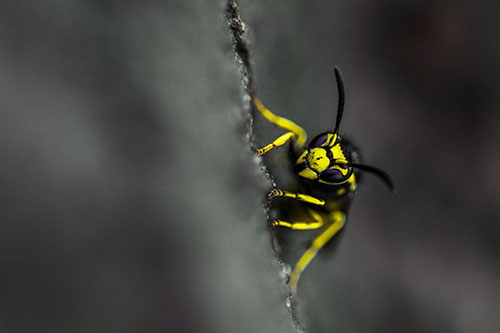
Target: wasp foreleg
276, 143
297, 196
282, 122
297, 225
316, 222
338, 221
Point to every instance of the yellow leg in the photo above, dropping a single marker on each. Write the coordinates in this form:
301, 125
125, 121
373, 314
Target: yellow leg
338, 221
297, 196
282, 122
297, 225
315, 223
276, 143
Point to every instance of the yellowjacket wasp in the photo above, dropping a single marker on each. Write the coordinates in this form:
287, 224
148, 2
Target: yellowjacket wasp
328, 170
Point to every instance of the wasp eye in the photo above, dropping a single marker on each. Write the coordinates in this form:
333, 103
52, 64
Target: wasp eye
319, 140
332, 173
332, 176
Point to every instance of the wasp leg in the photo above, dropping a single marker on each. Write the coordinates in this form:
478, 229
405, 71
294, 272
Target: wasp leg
338, 221
297, 196
315, 223
282, 122
276, 143
297, 225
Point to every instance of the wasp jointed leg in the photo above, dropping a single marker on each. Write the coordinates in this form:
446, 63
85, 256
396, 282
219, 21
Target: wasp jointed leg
309, 225
297, 196
315, 222
276, 143
301, 135
338, 221
297, 225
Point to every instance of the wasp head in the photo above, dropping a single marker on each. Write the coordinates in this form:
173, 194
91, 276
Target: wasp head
326, 160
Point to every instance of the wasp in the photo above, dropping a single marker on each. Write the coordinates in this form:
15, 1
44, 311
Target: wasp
328, 171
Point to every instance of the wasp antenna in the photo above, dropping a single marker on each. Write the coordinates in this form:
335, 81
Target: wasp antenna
384, 176
340, 109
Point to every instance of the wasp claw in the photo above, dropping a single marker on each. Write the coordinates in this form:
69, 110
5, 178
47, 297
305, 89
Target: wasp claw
273, 223
274, 193
259, 152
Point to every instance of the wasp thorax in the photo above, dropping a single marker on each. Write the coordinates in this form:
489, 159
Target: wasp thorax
318, 159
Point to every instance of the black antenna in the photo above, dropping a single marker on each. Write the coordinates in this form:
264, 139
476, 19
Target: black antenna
340, 109
384, 177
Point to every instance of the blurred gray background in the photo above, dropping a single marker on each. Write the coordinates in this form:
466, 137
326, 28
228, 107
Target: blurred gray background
131, 201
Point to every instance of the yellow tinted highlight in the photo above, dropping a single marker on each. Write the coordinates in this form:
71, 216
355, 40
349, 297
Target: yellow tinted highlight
318, 160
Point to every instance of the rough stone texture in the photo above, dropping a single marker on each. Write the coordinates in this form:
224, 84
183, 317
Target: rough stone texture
131, 200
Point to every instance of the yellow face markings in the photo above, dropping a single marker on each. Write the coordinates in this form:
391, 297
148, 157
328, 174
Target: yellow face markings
344, 171
329, 141
332, 138
338, 154
318, 160
302, 157
309, 174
